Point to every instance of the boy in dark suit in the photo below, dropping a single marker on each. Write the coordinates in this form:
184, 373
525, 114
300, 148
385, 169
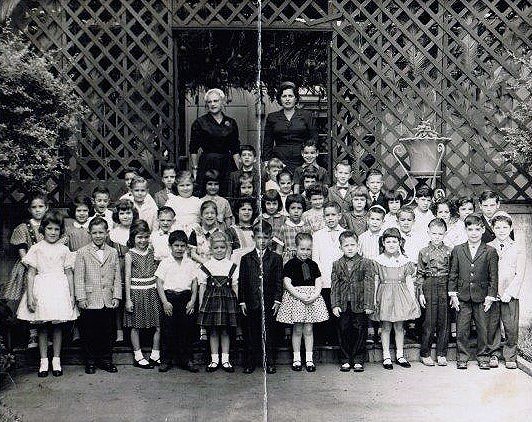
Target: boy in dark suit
259, 289
340, 191
374, 183
352, 291
473, 284
489, 203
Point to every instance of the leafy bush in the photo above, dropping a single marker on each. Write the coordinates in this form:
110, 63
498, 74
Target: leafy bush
39, 115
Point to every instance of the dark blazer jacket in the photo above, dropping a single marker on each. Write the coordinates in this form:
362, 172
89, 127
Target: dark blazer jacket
249, 288
381, 200
356, 286
474, 278
335, 196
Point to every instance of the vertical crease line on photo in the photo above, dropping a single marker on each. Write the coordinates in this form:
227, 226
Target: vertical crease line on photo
259, 200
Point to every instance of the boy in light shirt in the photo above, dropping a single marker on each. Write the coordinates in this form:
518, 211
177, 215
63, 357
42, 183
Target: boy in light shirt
159, 237
368, 242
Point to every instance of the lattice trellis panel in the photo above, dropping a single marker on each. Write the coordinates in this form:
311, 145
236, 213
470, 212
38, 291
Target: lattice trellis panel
118, 56
398, 62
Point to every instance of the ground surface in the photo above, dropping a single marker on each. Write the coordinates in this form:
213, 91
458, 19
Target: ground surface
417, 394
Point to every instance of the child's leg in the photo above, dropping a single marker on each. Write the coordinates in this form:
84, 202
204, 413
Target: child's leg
493, 325
442, 324
345, 334
510, 319
135, 343
155, 350
308, 334
297, 332
118, 322
385, 338
399, 338
214, 342
224, 335
58, 337
463, 328
481, 320
431, 317
360, 331
43, 341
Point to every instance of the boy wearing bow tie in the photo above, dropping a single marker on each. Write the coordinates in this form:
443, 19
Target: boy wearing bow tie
339, 193
374, 183
101, 197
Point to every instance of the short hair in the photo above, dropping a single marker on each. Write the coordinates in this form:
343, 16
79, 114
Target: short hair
309, 143
208, 204
501, 216
137, 227
53, 217
245, 200
165, 210
39, 195
317, 189
283, 87
408, 210
98, 221
300, 237
168, 166
249, 148
80, 200
245, 178
344, 163
284, 172
473, 220
438, 222
425, 192
347, 234
262, 227
377, 209
184, 175
218, 236
488, 194
391, 232
442, 201
310, 172
358, 191
215, 91
138, 180
131, 169
275, 162
271, 195
461, 201
177, 236
100, 190
124, 205
392, 195
211, 175
295, 198
373, 172
332, 204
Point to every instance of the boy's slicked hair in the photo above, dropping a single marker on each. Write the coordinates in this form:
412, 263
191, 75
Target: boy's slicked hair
346, 235
425, 192
262, 227
359, 191
438, 222
249, 148
332, 204
295, 198
282, 173
407, 209
317, 189
168, 166
473, 220
308, 144
98, 221
300, 237
177, 236
373, 172
212, 175
165, 210
488, 194
100, 189
343, 163
208, 204
138, 180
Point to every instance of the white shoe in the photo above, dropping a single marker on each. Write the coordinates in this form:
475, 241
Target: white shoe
442, 361
427, 361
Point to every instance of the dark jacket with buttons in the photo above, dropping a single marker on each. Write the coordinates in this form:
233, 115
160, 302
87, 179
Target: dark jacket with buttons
474, 278
355, 285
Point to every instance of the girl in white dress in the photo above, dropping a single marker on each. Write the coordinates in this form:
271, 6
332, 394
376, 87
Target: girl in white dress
49, 298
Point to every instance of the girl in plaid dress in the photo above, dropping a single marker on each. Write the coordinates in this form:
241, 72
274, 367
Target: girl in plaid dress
295, 205
143, 306
218, 280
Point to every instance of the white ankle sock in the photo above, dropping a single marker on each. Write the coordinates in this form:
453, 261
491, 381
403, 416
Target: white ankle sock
33, 332
308, 357
44, 365
297, 356
56, 363
155, 354
225, 357
119, 335
215, 357
138, 354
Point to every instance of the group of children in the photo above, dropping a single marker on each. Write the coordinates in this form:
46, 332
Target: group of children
349, 257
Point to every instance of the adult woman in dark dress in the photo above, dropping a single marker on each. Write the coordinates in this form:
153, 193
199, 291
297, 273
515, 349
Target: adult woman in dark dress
287, 129
217, 137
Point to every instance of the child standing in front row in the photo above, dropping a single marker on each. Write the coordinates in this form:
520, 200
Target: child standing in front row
394, 303
431, 282
49, 298
352, 294
512, 266
302, 304
218, 308
142, 307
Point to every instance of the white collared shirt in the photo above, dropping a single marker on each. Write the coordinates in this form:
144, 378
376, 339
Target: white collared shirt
159, 241
177, 276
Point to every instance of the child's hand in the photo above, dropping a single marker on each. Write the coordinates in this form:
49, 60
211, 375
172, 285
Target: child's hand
455, 303
82, 304
73, 301
244, 309
168, 308
422, 301
506, 298
115, 303
31, 303
336, 311
190, 307
275, 308
129, 305
487, 304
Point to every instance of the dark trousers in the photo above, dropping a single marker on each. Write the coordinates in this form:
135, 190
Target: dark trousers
353, 332
252, 331
97, 331
326, 332
471, 310
177, 330
508, 314
436, 316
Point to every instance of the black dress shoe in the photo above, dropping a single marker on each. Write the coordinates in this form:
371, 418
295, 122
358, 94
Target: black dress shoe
484, 365
296, 366
461, 365
310, 367
403, 362
42, 374
57, 372
90, 369
165, 366
108, 367
191, 367
146, 365
270, 369
387, 364
154, 362
248, 370
212, 367
227, 367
